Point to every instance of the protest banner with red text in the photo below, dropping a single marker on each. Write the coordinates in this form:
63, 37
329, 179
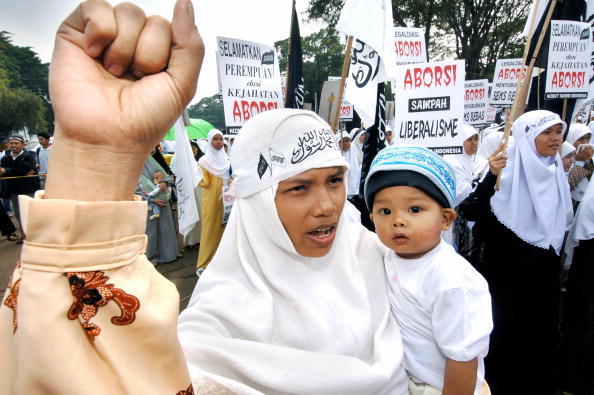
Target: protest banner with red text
249, 78
410, 45
476, 101
569, 60
506, 76
430, 105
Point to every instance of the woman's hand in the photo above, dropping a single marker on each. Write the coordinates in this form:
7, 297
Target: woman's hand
497, 160
159, 202
584, 154
118, 80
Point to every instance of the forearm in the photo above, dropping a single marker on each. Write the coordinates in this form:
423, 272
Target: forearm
77, 171
460, 377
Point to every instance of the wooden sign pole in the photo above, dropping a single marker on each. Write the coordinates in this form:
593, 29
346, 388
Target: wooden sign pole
523, 85
345, 70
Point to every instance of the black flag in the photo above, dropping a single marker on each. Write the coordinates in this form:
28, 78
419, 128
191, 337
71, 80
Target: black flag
374, 142
295, 91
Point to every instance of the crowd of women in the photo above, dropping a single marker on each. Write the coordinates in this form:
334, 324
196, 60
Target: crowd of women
295, 297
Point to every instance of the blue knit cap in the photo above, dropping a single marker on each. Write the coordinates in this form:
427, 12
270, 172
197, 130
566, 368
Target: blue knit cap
411, 166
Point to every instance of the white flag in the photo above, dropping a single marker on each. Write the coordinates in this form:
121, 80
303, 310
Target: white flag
374, 53
537, 14
371, 21
187, 178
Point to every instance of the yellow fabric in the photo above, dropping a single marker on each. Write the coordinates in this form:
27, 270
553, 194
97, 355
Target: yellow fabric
212, 217
167, 158
48, 352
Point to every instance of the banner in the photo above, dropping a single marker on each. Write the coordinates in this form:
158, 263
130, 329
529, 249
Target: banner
476, 101
410, 45
569, 60
430, 106
187, 177
249, 78
506, 76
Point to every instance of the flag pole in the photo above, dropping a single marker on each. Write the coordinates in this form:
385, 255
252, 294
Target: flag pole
519, 105
288, 56
345, 70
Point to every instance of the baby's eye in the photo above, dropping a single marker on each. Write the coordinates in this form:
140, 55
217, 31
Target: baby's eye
415, 209
385, 211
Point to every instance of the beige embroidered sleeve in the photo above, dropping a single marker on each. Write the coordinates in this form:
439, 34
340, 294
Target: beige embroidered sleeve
86, 313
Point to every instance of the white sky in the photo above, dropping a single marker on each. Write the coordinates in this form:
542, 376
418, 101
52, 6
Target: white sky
34, 22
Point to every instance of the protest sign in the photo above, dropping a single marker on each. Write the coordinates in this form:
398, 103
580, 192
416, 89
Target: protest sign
346, 111
410, 45
505, 79
430, 105
249, 78
569, 60
476, 98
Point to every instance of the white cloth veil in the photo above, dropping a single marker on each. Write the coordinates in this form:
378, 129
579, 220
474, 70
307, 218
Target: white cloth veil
264, 319
215, 161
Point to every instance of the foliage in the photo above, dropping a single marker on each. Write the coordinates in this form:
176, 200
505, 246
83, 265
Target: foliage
24, 92
323, 55
479, 31
210, 109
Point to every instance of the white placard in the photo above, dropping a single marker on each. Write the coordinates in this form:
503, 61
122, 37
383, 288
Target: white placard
430, 106
249, 78
506, 76
569, 61
346, 111
410, 45
476, 100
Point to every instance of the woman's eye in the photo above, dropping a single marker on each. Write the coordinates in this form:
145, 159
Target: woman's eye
415, 209
336, 180
297, 188
385, 211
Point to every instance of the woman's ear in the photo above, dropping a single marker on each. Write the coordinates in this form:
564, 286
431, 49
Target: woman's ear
448, 217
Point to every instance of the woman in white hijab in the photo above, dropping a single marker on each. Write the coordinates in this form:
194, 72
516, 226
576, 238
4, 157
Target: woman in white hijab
358, 136
216, 172
578, 312
468, 168
581, 172
295, 298
518, 235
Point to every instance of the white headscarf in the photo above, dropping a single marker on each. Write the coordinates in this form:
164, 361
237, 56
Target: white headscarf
566, 149
264, 319
583, 225
533, 200
354, 135
577, 131
466, 167
215, 161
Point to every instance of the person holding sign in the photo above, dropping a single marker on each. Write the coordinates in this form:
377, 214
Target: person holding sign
518, 235
216, 174
580, 174
467, 168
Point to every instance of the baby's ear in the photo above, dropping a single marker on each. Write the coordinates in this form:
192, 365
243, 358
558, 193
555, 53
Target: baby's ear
448, 217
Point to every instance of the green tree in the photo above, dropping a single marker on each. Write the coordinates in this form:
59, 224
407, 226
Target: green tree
478, 31
24, 76
323, 55
210, 109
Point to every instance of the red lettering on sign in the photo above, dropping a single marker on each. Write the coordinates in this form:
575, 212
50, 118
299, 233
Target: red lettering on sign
568, 79
474, 94
244, 110
511, 74
430, 77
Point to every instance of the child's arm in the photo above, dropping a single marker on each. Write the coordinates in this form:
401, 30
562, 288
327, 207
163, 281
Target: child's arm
460, 377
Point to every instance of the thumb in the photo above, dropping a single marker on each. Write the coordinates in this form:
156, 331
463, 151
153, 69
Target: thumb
187, 51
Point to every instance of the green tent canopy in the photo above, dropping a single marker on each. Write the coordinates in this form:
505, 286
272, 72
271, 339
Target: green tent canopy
198, 129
